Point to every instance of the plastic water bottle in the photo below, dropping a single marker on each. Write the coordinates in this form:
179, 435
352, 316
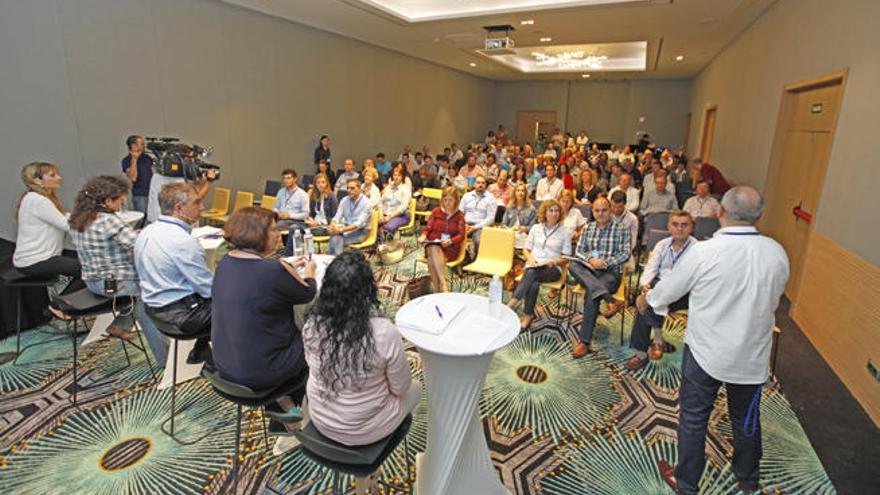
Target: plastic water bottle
298, 247
310, 243
495, 290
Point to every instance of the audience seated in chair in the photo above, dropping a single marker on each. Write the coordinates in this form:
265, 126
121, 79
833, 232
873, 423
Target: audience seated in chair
550, 186
547, 242
370, 189
175, 281
603, 248
445, 224
291, 202
627, 187
657, 198
348, 173
105, 246
628, 219
322, 205
395, 203
42, 226
572, 218
663, 259
360, 387
702, 205
351, 224
479, 208
256, 342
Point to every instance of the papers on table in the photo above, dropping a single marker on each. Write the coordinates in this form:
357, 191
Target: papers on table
430, 317
479, 333
209, 237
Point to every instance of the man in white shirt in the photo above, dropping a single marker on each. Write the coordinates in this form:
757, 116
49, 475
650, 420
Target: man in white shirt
582, 139
348, 173
632, 193
550, 186
479, 208
703, 205
664, 257
457, 154
613, 153
735, 281
291, 202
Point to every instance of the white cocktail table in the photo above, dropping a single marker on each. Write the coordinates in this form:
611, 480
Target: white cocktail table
456, 460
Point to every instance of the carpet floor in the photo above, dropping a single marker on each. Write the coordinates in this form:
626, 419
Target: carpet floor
554, 425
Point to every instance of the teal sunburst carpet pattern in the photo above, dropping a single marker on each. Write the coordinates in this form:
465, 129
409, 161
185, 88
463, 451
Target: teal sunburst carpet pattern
554, 425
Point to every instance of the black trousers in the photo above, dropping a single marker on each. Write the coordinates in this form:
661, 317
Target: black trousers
58, 265
640, 338
191, 314
530, 285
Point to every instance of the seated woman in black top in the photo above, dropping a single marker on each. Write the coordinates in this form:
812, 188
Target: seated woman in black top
255, 340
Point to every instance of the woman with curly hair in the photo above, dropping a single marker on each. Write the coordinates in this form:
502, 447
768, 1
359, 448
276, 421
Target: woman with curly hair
42, 225
105, 246
360, 388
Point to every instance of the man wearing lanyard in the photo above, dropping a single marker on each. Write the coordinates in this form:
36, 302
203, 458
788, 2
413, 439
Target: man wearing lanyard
291, 202
735, 281
351, 224
702, 205
665, 256
479, 210
174, 278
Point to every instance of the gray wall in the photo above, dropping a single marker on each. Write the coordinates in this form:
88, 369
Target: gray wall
77, 77
793, 41
608, 110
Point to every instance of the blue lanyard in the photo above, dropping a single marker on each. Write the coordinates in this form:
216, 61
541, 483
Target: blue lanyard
175, 224
548, 236
683, 249
740, 233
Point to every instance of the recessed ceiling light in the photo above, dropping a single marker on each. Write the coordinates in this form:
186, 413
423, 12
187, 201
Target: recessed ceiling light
585, 76
472, 64
527, 22
546, 39
679, 58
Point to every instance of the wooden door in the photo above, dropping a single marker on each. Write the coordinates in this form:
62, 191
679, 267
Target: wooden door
708, 133
530, 123
797, 171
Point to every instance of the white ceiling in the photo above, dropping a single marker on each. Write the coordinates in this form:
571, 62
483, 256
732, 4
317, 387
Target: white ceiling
695, 29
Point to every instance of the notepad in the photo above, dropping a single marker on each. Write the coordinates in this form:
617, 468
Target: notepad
480, 333
430, 317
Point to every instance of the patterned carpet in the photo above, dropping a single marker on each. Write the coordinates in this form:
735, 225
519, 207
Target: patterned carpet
554, 425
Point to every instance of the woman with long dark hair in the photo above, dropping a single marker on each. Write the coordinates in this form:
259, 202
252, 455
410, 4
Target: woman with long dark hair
105, 246
322, 152
42, 225
360, 388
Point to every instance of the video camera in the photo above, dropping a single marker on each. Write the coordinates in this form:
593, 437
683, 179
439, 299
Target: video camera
176, 159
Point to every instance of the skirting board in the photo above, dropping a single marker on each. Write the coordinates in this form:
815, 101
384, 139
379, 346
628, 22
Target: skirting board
838, 308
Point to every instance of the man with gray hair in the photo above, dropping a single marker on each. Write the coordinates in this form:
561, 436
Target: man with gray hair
735, 281
174, 277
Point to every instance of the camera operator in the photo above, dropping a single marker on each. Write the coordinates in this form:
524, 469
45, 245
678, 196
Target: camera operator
158, 181
140, 174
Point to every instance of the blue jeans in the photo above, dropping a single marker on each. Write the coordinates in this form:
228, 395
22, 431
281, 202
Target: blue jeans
157, 342
338, 242
697, 398
139, 203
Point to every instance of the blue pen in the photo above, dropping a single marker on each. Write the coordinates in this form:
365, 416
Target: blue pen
438, 311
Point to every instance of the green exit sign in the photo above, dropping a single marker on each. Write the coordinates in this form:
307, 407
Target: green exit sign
816, 108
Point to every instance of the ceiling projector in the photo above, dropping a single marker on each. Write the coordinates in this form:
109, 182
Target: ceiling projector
498, 40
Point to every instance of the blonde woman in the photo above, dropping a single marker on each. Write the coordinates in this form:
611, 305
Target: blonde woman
444, 233
572, 218
370, 190
42, 225
547, 242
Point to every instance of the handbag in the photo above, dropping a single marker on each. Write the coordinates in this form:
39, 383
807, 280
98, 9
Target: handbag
509, 280
418, 287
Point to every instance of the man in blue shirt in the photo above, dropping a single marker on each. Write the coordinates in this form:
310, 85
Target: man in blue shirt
383, 166
479, 210
291, 202
140, 174
175, 280
351, 224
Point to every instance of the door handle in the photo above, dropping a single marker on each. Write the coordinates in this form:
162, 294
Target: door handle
800, 214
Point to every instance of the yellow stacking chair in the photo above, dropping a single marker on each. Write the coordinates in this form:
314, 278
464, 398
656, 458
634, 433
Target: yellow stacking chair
243, 199
219, 204
495, 256
430, 193
370, 240
267, 202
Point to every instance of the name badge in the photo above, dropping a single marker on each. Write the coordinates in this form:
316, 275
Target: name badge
444, 237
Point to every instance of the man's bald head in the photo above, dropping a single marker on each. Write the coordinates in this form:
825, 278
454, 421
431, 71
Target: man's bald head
742, 205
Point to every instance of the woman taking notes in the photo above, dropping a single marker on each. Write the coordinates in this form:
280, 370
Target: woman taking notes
444, 233
548, 240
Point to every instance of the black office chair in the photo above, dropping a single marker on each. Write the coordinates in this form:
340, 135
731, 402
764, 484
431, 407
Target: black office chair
586, 212
244, 396
358, 461
306, 181
705, 227
84, 304
18, 281
174, 333
271, 188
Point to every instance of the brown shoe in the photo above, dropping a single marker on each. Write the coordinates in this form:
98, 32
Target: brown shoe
581, 350
635, 363
667, 472
744, 489
552, 293
525, 321
119, 332
613, 308
656, 351
57, 313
